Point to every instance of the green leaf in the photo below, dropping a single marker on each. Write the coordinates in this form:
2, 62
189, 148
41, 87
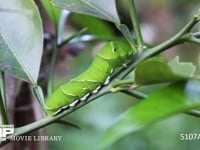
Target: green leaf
175, 98
92, 24
158, 70
52, 11
21, 39
182, 68
103, 9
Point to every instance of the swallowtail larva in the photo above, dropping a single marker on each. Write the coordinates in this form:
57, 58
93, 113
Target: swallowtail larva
112, 55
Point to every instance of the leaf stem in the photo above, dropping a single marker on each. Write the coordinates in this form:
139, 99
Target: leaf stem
51, 69
195, 113
193, 39
135, 93
3, 99
37, 91
196, 34
120, 82
72, 37
136, 25
128, 36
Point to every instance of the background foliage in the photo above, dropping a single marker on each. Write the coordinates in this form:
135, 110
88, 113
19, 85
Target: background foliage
159, 17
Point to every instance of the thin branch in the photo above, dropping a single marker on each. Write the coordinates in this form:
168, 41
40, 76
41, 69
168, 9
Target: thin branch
135, 93
136, 25
196, 34
51, 70
195, 113
72, 37
49, 120
3, 99
120, 82
128, 36
193, 39
38, 93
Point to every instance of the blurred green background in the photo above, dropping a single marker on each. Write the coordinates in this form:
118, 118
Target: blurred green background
159, 19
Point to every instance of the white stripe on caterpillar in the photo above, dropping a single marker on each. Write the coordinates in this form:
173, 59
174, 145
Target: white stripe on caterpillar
66, 92
84, 97
96, 90
111, 71
107, 80
92, 81
58, 111
74, 103
65, 107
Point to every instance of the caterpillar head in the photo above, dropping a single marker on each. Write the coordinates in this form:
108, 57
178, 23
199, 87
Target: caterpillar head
116, 53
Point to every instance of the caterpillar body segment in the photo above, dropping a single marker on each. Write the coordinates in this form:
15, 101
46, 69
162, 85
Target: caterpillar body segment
111, 56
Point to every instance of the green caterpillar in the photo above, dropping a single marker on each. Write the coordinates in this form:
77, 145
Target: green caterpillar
111, 56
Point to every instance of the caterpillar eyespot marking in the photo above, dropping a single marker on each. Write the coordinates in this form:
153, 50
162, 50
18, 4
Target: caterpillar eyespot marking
84, 97
111, 56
